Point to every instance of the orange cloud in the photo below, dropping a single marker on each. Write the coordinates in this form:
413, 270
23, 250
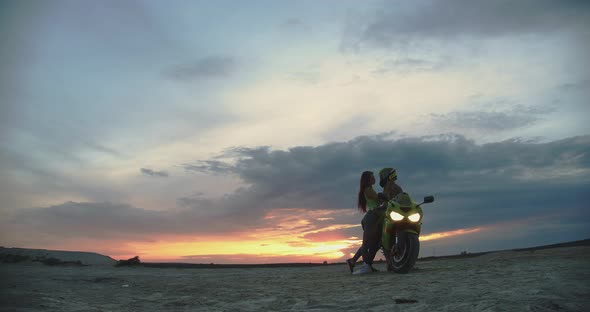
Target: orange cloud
440, 235
292, 235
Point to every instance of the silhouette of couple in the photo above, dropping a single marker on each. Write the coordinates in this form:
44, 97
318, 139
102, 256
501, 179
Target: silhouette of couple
374, 206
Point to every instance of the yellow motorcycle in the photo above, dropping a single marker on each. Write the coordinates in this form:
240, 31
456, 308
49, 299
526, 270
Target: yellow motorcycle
401, 229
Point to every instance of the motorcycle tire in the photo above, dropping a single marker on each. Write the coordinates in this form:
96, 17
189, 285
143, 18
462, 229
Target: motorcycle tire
404, 255
387, 254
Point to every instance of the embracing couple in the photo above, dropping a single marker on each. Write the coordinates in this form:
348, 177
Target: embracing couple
374, 206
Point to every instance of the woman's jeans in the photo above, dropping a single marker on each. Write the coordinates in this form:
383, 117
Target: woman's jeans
372, 228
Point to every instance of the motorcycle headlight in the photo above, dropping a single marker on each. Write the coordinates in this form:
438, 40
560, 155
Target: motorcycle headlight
396, 216
415, 217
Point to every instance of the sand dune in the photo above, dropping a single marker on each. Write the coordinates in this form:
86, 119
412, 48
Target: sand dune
543, 280
85, 258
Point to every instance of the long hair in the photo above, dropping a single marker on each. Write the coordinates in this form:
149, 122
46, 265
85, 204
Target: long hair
365, 182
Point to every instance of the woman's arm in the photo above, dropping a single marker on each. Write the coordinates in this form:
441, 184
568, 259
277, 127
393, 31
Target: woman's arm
371, 194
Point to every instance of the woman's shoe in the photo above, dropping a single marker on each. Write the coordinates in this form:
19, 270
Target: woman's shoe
365, 269
373, 269
350, 265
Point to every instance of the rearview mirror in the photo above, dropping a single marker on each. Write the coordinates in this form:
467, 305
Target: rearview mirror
428, 199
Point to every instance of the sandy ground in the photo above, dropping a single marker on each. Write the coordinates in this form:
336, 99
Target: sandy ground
545, 280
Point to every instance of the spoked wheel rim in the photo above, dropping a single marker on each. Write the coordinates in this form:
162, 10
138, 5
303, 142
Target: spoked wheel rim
399, 255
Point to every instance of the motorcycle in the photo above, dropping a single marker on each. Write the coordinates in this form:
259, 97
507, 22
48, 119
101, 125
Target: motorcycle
401, 229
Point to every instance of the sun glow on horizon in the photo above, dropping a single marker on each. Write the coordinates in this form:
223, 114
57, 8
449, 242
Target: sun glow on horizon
292, 235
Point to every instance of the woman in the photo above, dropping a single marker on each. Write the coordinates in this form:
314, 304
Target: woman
367, 202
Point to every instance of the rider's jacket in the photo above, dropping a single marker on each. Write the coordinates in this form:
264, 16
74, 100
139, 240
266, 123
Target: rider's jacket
391, 189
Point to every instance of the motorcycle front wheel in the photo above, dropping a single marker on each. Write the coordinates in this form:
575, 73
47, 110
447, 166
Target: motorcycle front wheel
404, 253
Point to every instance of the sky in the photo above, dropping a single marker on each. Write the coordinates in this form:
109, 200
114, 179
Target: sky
236, 132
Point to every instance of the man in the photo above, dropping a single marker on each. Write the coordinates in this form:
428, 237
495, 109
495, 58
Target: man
387, 178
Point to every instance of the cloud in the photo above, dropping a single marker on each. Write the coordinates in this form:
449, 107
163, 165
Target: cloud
153, 173
107, 221
411, 65
291, 22
401, 23
582, 85
327, 235
208, 166
474, 186
90, 220
449, 154
528, 177
517, 116
205, 68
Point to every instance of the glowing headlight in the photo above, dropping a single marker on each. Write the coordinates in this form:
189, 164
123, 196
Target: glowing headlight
396, 216
415, 217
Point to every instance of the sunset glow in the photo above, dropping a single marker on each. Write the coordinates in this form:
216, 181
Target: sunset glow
293, 238
441, 235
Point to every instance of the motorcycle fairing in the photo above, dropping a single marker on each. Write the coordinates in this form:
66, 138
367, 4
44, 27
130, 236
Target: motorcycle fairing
404, 225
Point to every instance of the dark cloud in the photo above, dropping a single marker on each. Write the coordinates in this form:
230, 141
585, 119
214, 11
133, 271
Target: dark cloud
489, 121
472, 182
474, 185
205, 68
485, 120
495, 119
208, 166
91, 220
400, 23
108, 221
153, 173
296, 27
293, 22
582, 85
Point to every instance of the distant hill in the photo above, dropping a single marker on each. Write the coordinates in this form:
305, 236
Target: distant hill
584, 242
56, 257
53, 257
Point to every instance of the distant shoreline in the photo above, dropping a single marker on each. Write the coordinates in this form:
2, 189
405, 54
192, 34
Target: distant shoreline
180, 265
584, 242
7, 257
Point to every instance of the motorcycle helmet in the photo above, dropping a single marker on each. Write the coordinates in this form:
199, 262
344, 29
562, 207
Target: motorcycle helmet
392, 175
385, 175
